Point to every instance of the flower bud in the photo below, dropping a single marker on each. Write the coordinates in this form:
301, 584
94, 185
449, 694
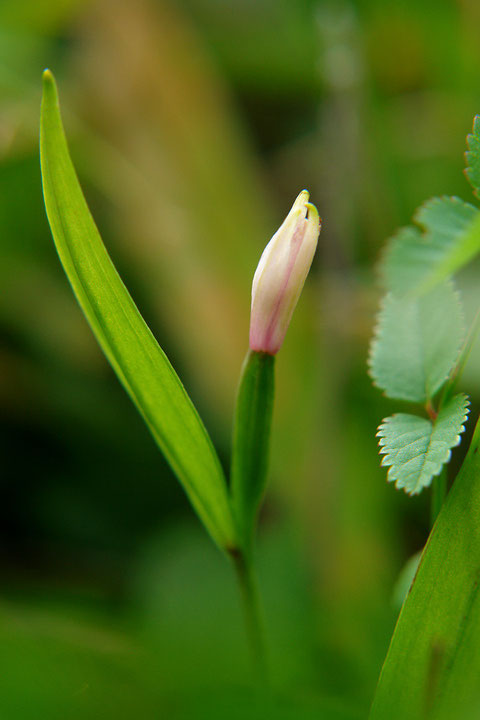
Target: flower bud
280, 275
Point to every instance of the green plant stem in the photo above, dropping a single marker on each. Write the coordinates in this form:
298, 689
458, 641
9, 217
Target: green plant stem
251, 440
439, 493
252, 614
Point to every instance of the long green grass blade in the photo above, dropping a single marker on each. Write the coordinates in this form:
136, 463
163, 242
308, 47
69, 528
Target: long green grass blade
130, 347
432, 670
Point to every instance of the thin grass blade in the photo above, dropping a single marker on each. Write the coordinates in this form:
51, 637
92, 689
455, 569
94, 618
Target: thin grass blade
123, 335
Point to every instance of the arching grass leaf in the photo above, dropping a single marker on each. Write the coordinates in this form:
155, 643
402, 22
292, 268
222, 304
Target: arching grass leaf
133, 352
416, 343
472, 156
415, 449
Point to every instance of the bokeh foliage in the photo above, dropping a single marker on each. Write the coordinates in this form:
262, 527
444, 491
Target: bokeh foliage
194, 124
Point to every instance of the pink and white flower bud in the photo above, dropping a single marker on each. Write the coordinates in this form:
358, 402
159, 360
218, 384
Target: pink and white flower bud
281, 274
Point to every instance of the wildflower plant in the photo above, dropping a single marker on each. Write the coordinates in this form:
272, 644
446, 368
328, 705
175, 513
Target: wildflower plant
419, 349
417, 355
228, 511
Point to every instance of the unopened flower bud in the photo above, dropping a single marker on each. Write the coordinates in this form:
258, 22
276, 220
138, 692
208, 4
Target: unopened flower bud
281, 274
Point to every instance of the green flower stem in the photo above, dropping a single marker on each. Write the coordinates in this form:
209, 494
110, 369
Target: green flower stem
252, 614
251, 440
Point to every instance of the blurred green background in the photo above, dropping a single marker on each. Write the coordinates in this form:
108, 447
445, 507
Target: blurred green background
193, 125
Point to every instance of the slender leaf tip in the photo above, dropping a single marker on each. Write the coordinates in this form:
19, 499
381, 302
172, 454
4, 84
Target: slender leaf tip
50, 86
49, 81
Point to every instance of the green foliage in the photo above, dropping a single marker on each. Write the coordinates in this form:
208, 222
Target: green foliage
251, 440
415, 448
133, 352
51, 377
416, 343
403, 264
405, 579
452, 228
472, 156
415, 262
419, 333
431, 669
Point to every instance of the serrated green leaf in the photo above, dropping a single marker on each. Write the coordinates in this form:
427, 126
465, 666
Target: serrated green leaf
415, 262
126, 340
404, 261
415, 449
416, 343
432, 668
472, 156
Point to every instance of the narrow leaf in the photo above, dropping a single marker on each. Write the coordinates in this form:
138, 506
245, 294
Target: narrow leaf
416, 343
251, 438
472, 156
416, 449
432, 669
133, 352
